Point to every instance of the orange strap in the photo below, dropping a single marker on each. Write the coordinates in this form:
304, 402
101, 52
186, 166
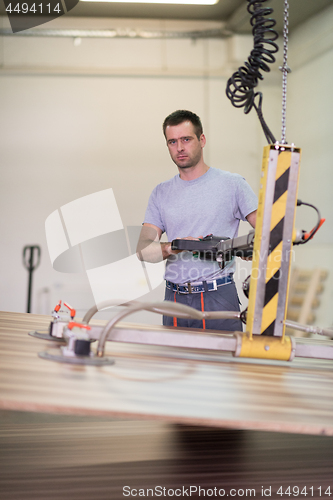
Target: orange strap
203, 309
72, 324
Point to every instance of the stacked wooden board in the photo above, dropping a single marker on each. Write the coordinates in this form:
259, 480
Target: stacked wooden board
175, 385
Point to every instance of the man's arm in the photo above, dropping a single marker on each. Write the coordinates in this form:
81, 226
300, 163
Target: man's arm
149, 247
251, 218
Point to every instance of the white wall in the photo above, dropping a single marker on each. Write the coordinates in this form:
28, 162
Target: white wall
310, 126
78, 119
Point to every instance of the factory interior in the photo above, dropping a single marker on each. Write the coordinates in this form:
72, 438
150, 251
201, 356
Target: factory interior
83, 98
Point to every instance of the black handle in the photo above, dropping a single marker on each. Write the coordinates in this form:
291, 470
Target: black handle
31, 260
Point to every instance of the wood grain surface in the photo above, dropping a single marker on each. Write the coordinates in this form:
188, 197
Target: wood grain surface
67, 457
166, 384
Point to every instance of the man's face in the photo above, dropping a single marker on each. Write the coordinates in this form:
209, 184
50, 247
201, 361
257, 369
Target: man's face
184, 147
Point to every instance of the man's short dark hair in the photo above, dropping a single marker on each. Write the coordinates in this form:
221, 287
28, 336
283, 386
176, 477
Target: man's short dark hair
182, 115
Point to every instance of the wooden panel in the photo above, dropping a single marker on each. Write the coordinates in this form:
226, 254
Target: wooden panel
305, 288
174, 385
57, 457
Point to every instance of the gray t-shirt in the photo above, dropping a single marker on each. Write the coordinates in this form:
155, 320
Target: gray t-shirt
211, 204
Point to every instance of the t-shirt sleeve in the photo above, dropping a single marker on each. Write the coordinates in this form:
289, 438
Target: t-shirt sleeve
247, 201
153, 213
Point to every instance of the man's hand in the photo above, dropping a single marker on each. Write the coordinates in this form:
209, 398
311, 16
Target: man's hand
246, 258
189, 238
149, 247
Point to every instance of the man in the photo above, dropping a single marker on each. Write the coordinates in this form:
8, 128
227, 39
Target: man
201, 200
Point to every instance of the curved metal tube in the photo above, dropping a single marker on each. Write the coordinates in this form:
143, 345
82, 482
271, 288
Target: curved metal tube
309, 328
166, 308
89, 314
221, 315
104, 305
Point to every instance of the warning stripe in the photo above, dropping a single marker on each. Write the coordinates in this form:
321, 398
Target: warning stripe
281, 185
275, 250
272, 287
276, 236
269, 331
268, 322
276, 215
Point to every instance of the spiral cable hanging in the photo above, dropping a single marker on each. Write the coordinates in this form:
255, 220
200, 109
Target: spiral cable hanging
240, 87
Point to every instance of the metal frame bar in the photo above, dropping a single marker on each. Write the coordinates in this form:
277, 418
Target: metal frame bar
211, 341
276, 213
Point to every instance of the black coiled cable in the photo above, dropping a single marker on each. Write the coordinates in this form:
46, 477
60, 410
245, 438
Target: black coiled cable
240, 87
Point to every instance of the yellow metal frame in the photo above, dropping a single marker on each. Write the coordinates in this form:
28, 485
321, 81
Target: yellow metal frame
272, 256
263, 347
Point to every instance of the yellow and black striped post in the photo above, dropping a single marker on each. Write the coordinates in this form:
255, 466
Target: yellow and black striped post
273, 241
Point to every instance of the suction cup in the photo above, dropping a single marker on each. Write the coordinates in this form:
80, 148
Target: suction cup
45, 336
76, 360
